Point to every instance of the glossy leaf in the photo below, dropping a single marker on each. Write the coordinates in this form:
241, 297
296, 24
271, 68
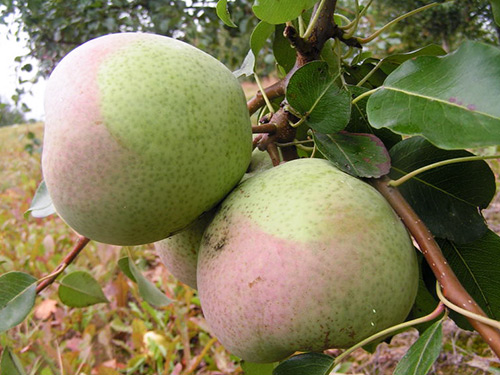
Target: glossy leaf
147, 290
430, 50
329, 55
477, 266
247, 67
10, 364
283, 51
448, 198
123, 263
495, 8
356, 73
423, 353
80, 289
305, 364
452, 101
276, 11
223, 13
359, 120
391, 62
360, 155
425, 302
250, 368
41, 205
259, 36
16, 299
312, 92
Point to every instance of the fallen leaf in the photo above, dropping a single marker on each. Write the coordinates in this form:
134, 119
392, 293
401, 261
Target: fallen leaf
177, 369
45, 309
74, 344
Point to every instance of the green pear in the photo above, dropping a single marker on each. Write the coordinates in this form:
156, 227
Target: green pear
143, 134
179, 253
303, 257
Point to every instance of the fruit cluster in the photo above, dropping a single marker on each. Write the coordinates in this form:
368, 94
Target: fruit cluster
148, 139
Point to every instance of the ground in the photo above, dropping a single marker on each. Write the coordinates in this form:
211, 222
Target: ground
105, 338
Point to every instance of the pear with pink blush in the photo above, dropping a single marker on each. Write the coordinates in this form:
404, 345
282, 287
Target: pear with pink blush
143, 134
303, 257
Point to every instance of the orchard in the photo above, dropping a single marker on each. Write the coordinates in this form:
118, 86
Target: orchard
337, 207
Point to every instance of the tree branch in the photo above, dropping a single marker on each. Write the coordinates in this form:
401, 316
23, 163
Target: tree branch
264, 128
452, 288
79, 246
307, 49
274, 91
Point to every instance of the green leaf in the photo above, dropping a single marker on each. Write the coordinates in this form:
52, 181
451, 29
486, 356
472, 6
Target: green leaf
41, 205
425, 302
259, 36
477, 266
247, 67
448, 198
250, 368
359, 120
147, 290
423, 353
312, 92
223, 13
391, 62
283, 51
10, 364
495, 8
452, 100
278, 11
80, 289
17, 298
430, 50
123, 263
361, 155
357, 73
305, 364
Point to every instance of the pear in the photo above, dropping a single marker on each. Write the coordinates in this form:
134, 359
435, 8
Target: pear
179, 253
303, 257
143, 134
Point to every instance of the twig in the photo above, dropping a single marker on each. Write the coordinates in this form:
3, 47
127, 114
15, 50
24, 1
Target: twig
452, 288
314, 19
441, 163
263, 93
408, 324
467, 313
264, 128
274, 91
395, 21
365, 94
79, 246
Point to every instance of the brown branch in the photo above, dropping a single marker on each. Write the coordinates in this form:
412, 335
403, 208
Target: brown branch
452, 288
273, 152
274, 91
79, 246
264, 128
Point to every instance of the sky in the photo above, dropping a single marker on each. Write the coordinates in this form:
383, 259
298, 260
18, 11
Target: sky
9, 50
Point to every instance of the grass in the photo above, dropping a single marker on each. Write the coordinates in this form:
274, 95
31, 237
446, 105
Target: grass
111, 339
